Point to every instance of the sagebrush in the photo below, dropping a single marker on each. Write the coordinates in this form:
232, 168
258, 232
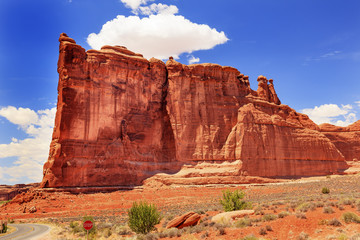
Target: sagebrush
143, 217
232, 201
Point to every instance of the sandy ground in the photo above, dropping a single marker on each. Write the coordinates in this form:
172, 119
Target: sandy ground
59, 209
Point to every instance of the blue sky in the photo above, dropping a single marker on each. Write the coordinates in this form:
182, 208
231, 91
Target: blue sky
311, 49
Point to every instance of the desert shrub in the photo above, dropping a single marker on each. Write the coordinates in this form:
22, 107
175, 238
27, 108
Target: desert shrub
355, 237
269, 217
283, 214
304, 207
300, 215
331, 237
341, 207
3, 227
268, 228
143, 217
151, 236
262, 231
303, 236
205, 235
351, 217
249, 237
244, 222
232, 201
107, 233
293, 205
123, 230
75, 227
148, 236
200, 212
194, 229
277, 203
328, 210
342, 237
258, 210
347, 201
325, 190
171, 232
221, 231
334, 222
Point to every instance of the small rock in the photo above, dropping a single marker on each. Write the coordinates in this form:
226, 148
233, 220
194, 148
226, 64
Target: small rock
32, 209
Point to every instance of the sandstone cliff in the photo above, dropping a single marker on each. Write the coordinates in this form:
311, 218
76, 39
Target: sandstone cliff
346, 139
122, 118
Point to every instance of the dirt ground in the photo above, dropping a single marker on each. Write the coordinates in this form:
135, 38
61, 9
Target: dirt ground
308, 214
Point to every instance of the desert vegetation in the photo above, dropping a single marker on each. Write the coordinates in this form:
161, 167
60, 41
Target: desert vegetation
285, 211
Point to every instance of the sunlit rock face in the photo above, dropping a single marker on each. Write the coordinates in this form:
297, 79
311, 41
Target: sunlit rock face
111, 125
122, 118
346, 139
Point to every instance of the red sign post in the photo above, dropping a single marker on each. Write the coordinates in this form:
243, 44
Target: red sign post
88, 225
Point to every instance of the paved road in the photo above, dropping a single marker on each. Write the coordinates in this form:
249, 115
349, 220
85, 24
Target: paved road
26, 232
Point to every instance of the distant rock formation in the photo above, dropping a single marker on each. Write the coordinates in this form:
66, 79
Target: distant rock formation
8, 192
122, 118
346, 139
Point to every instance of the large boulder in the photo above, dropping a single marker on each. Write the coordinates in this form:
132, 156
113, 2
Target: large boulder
227, 217
188, 219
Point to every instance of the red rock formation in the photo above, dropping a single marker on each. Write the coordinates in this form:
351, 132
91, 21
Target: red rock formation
185, 220
8, 192
121, 118
219, 118
111, 125
346, 139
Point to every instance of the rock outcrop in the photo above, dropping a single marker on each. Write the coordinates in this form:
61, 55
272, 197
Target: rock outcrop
228, 217
185, 220
346, 139
122, 118
111, 125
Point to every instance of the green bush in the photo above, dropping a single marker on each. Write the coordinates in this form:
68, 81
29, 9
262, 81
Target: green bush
143, 217
243, 222
283, 214
351, 217
269, 217
328, 210
232, 201
3, 227
325, 190
75, 227
249, 237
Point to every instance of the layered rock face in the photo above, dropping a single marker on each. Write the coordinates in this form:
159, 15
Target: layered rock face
346, 139
111, 125
220, 118
121, 119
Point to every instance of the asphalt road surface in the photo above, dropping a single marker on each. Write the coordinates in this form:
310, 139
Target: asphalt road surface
26, 232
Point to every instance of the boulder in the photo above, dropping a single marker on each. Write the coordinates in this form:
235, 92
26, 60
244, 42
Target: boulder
227, 217
188, 219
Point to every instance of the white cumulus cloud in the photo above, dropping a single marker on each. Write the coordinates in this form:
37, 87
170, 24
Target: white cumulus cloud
331, 113
134, 4
30, 153
19, 116
161, 36
192, 59
157, 9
